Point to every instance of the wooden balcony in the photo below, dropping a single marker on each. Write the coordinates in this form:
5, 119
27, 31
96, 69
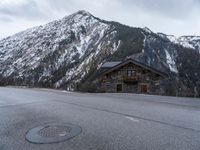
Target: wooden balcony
130, 79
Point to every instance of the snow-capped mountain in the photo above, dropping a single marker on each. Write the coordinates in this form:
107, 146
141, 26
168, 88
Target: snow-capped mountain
63, 48
67, 53
192, 42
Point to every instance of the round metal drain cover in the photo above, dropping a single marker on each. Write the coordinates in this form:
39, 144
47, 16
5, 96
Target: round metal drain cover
52, 133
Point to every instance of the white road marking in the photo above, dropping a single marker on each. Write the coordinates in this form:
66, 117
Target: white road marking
66, 91
132, 119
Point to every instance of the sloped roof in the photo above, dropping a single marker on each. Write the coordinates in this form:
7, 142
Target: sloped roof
110, 64
120, 64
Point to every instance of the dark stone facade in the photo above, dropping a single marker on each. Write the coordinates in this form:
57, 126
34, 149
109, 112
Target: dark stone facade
131, 77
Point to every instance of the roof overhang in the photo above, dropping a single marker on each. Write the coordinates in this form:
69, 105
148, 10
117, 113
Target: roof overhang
163, 74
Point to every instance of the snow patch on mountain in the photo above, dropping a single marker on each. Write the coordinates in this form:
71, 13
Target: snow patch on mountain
171, 62
192, 42
147, 30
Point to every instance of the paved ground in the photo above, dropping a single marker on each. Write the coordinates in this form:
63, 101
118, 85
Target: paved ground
108, 121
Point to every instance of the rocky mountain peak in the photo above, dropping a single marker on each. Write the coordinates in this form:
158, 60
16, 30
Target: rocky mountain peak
83, 12
147, 30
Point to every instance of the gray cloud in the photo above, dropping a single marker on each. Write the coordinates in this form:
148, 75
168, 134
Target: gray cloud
61, 4
28, 10
177, 9
6, 19
169, 16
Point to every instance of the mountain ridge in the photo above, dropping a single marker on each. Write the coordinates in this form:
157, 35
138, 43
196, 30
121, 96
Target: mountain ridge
68, 52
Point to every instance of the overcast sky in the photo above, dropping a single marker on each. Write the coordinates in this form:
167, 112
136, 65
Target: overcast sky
178, 17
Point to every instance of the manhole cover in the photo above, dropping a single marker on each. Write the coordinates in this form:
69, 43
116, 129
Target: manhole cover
52, 133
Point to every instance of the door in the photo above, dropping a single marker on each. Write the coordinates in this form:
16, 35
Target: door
119, 87
143, 88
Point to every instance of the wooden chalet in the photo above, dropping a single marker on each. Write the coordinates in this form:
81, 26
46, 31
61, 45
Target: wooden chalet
130, 76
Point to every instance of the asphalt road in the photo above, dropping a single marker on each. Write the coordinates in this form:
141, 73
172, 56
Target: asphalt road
108, 121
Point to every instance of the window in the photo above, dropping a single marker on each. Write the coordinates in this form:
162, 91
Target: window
147, 78
130, 73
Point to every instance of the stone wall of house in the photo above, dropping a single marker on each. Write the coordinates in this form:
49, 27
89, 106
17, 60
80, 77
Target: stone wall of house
130, 88
110, 81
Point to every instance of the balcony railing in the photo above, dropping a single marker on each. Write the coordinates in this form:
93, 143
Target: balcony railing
130, 78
